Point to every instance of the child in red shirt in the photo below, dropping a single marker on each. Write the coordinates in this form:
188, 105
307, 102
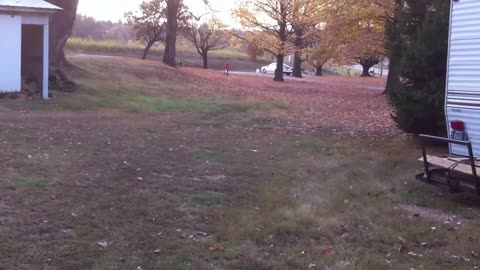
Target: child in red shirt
227, 69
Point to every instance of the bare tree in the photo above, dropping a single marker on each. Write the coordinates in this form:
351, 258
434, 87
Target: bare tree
206, 37
177, 13
149, 22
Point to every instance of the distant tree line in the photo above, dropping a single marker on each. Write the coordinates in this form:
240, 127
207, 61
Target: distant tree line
89, 27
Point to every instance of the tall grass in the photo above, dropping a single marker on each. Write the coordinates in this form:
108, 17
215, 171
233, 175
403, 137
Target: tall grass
136, 48
107, 46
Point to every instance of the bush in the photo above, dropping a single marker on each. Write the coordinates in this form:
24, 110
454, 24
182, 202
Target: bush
417, 42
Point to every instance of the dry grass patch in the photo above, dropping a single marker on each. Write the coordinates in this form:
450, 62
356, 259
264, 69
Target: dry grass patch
339, 210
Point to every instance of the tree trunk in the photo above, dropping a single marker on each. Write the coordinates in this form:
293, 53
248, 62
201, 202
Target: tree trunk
205, 60
173, 7
319, 70
279, 71
60, 30
147, 49
368, 62
282, 35
297, 61
297, 65
366, 68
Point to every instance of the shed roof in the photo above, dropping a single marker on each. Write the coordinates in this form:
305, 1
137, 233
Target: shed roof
27, 6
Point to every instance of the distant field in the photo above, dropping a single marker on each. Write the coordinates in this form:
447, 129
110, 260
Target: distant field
238, 59
119, 47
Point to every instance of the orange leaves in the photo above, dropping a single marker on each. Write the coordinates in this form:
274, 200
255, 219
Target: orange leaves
340, 29
268, 23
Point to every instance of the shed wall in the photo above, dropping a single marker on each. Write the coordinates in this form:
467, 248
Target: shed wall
10, 53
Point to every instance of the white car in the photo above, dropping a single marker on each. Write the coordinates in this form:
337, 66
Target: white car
287, 70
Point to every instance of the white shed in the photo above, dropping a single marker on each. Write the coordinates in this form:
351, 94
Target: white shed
24, 50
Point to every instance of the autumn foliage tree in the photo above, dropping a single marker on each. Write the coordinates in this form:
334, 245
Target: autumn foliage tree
325, 48
270, 28
306, 17
149, 22
363, 28
366, 48
329, 37
348, 32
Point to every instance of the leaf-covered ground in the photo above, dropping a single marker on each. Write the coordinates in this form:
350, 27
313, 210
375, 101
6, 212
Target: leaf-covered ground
349, 105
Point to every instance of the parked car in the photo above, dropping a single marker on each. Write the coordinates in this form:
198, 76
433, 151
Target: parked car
307, 72
287, 70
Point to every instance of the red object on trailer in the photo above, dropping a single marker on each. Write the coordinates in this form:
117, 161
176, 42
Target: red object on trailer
457, 125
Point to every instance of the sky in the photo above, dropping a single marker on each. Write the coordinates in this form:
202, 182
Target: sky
114, 10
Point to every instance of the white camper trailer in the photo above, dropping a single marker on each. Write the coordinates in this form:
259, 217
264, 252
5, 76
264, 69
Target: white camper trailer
458, 171
462, 103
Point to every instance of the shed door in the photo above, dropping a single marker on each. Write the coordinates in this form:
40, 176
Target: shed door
10, 53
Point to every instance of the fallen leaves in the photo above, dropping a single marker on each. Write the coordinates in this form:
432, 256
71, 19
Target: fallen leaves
345, 105
102, 244
216, 247
328, 250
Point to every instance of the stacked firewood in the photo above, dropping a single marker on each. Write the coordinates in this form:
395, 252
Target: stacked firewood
30, 88
60, 82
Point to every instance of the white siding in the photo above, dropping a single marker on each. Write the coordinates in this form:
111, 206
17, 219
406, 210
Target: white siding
35, 19
463, 80
471, 118
464, 58
10, 53
465, 20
